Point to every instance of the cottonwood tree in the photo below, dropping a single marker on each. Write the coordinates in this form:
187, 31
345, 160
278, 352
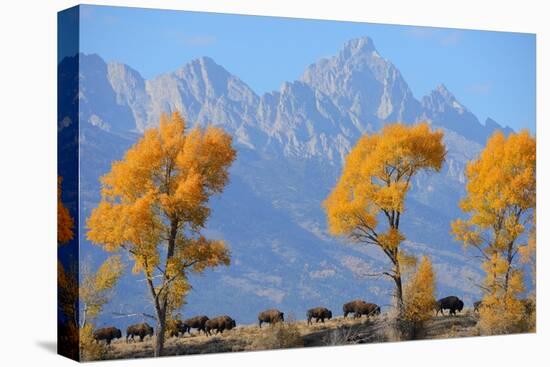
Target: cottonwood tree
500, 202
154, 204
96, 287
419, 293
368, 202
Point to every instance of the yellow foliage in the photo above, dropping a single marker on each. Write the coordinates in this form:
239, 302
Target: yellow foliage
419, 293
502, 314
500, 201
375, 180
90, 350
95, 287
377, 174
65, 223
501, 191
155, 203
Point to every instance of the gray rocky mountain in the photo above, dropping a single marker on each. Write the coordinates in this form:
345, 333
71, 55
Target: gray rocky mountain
291, 146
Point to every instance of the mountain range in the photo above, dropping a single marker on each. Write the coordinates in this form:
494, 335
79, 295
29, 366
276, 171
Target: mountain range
291, 145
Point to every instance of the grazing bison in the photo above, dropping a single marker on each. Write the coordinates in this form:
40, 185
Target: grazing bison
219, 324
368, 309
477, 305
197, 322
270, 316
318, 313
451, 303
351, 306
107, 334
141, 330
359, 308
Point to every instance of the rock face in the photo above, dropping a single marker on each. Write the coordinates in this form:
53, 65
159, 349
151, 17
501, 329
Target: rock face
291, 146
364, 85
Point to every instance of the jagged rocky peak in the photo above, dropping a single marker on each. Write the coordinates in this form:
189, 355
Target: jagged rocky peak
440, 99
358, 46
364, 84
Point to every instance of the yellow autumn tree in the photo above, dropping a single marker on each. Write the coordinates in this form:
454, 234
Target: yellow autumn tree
154, 204
500, 202
367, 203
95, 292
65, 222
419, 293
95, 287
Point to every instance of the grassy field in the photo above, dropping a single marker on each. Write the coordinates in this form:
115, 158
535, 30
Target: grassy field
338, 331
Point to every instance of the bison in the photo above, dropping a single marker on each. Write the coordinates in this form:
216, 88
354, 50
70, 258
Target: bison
219, 324
318, 313
197, 322
359, 308
141, 330
451, 303
107, 334
351, 306
368, 309
270, 316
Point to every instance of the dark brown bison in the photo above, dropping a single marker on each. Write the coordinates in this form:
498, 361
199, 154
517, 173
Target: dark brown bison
219, 324
107, 334
359, 308
451, 303
318, 313
477, 305
271, 317
368, 309
351, 306
197, 322
141, 330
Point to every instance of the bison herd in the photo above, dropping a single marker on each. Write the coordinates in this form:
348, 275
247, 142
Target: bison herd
220, 324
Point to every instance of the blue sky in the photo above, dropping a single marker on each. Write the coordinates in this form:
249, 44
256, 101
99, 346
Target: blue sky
491, 73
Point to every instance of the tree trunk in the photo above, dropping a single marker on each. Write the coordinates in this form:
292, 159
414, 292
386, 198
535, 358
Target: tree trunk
161, 330
162, 302
398, 288
399, 295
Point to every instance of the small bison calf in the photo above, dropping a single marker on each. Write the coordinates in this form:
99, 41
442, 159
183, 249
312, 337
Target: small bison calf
219, 324
318, 313
107, 334
141, 330
271, 317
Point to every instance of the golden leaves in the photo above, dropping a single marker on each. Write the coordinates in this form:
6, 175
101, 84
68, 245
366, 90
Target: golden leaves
65, 223
419, 293
94, 287
377, 174
391, 239
500, 200
157, 196
502, 181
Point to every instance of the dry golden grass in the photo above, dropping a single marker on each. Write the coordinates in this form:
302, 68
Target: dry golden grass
338, 331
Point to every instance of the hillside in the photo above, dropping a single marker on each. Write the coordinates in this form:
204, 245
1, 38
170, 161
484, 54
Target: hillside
338, 331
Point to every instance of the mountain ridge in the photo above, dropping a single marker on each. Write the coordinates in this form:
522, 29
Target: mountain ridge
291, 145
